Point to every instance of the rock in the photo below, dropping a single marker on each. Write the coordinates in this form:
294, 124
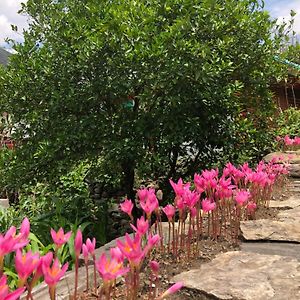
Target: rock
291, 202
247, 276
291, 157
294, 170
285, 228
273, 248
4, 203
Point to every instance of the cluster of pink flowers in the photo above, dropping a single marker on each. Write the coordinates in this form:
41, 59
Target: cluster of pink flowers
288, 141
124, 260
224, 197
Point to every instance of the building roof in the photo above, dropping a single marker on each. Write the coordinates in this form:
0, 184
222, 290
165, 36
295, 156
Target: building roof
4, 56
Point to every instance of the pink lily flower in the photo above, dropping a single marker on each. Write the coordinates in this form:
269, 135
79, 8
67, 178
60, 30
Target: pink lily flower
242, 197
169, 210
131, 249
148, 201
172, 290
152, 242
179, 187
78, 243
53, 274
199, 182
251, 207
25, 265
154, 266
127, 207
142, 226
288, 141
4, 290
85, 253
46, 259
110, 269
208, 205
116, 254
91, 245
59, 237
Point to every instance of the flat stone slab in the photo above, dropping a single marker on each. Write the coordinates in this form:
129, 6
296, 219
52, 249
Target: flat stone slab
246, 276
291, 202
285, 228
291, 157
272, 248
294, 170
4, 203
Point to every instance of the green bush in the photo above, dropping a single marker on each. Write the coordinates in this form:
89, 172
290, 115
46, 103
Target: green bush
136, 88
288, 123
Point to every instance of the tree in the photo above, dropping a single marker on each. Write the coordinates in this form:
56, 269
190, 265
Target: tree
187, 67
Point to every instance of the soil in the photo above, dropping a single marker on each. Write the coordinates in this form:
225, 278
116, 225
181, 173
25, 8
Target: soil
169, 266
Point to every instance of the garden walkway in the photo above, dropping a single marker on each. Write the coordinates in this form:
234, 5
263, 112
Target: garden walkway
268, 264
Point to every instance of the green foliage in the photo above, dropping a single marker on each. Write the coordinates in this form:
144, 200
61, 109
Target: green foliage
288, 123
189, 66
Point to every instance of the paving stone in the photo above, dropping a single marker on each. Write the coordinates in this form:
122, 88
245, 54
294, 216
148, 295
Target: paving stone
272, 248
246, 276
4, 203
285, 228
294, 170
291, 157
291, 202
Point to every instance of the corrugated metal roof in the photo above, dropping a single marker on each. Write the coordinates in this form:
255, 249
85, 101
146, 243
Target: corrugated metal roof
287, 62
4, 55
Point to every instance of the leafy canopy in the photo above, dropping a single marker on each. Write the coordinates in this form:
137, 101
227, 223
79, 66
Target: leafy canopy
187, 68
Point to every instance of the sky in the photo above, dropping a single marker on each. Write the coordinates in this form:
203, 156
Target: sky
8, 15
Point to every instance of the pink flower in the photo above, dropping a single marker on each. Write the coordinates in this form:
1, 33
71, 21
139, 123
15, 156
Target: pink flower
169, 210
148, 201
179, 202
26, 264
7, 242
154, 266
179, 187
46, 259
116, 254
190, 198
127, 207
91, 245
208, 205
142, 226
199, 183
251, 207
242, 197
288, 141
25, 228
131, 249
152, 241
4, 290
59, 237
110, 269
52, 275
78, 242
85, 253
172, 290
297, 140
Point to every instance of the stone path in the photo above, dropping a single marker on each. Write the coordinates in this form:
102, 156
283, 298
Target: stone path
268, 265
244, 275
